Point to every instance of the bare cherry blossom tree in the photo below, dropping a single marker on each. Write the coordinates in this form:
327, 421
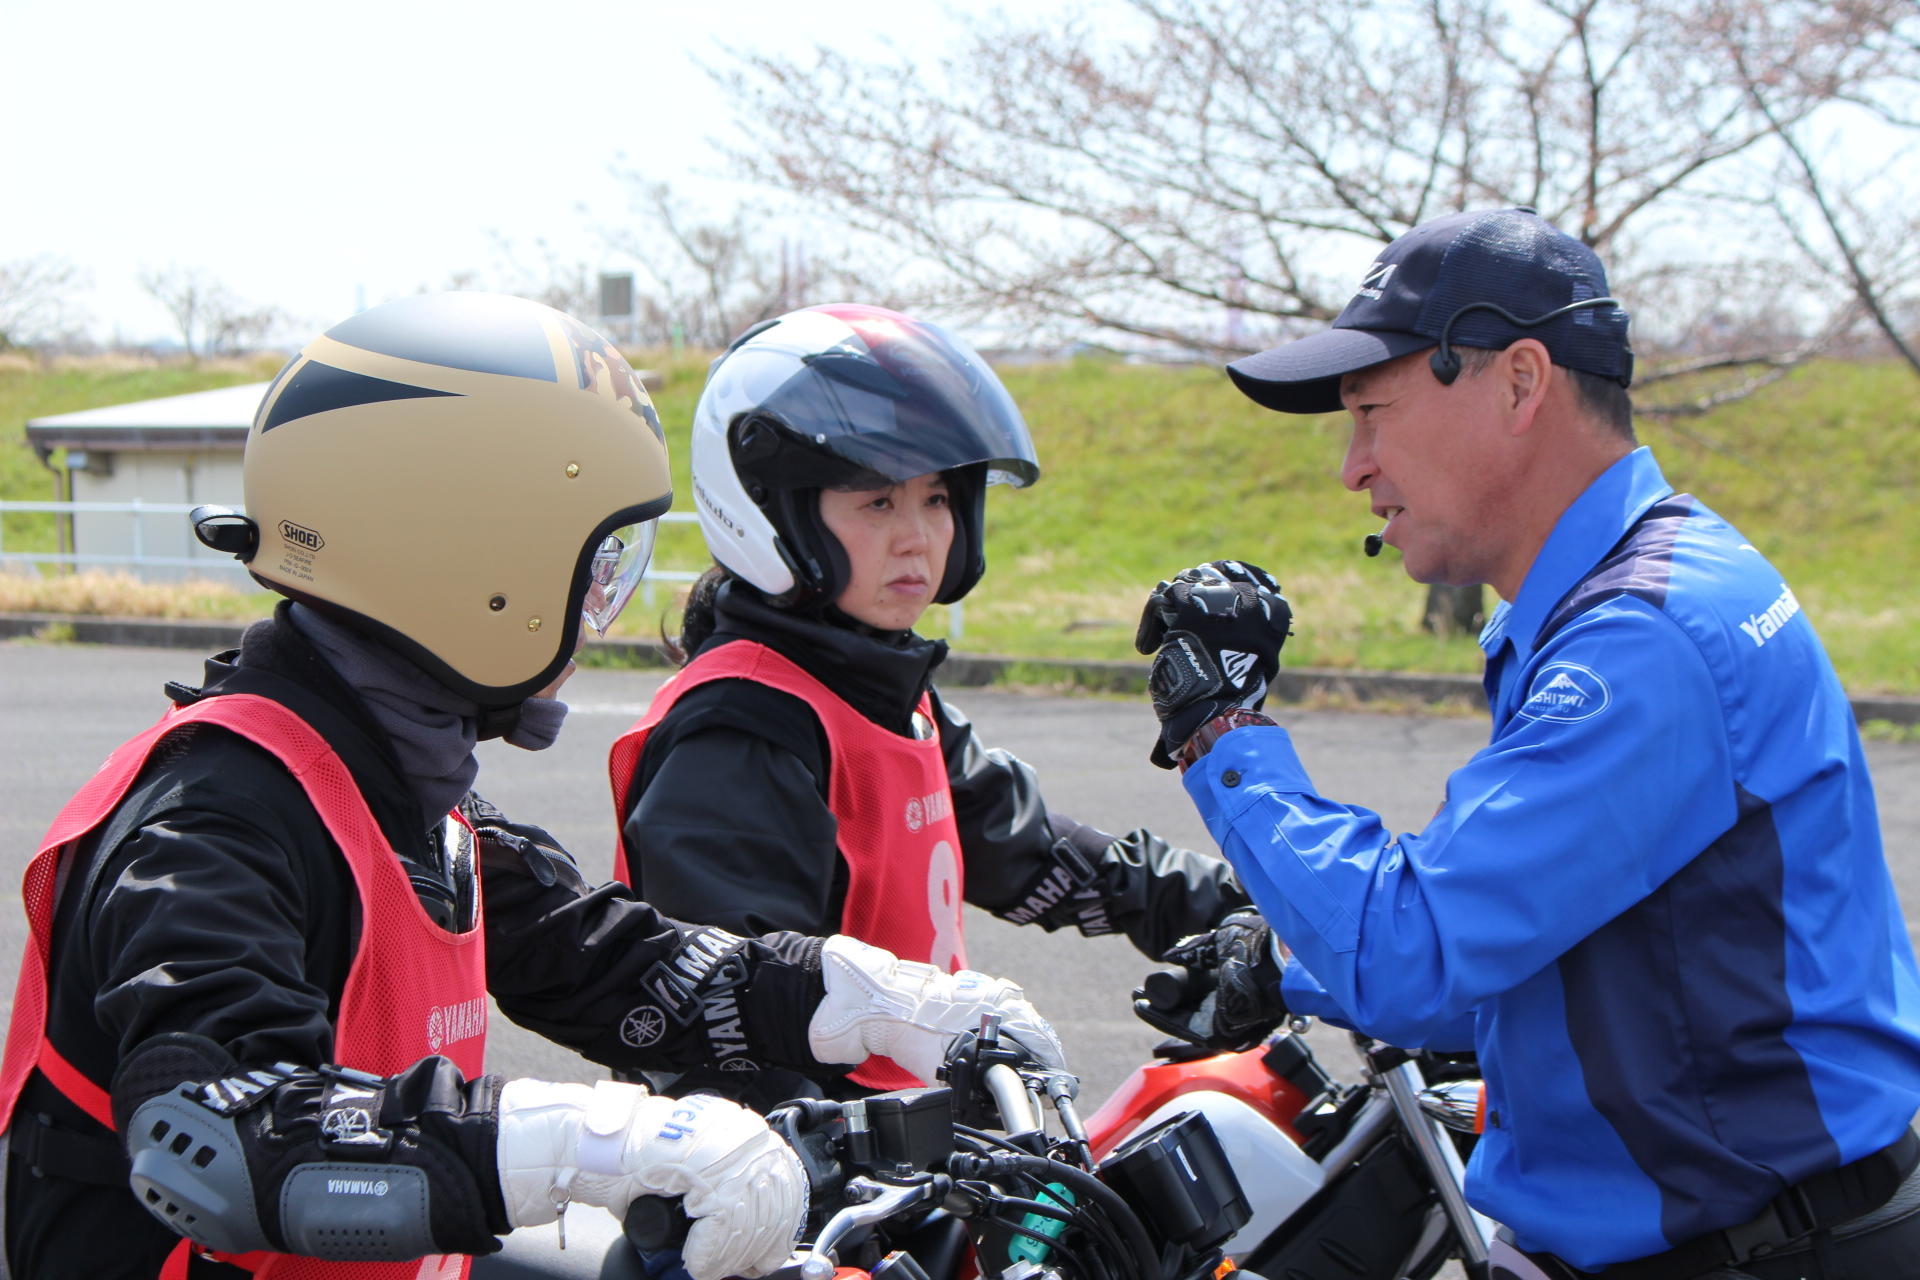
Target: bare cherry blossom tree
1209, 174
210, 318
37, 299
1839, 189
703, 277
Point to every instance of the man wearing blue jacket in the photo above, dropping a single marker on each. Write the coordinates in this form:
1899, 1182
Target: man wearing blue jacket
1656, 902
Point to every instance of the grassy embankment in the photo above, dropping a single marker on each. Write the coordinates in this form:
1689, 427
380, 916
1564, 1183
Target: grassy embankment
1147, 470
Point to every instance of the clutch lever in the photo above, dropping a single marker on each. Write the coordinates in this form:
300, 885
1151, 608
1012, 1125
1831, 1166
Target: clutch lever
880, 1201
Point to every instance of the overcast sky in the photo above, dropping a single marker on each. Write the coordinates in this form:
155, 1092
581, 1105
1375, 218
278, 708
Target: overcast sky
311, 156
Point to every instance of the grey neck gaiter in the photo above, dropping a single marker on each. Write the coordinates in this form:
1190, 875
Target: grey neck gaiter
432, 728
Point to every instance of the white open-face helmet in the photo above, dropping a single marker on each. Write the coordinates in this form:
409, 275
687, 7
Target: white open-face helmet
837, 395
467, 477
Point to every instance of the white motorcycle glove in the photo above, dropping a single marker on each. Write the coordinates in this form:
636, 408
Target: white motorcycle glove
911, 1012
604, 1144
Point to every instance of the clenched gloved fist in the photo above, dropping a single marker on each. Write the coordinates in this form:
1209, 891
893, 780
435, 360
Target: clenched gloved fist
913, 1012
604, 1144
1215, 632
1230, 998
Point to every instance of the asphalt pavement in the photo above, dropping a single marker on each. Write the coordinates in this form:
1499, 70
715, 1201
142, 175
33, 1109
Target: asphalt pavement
63, 707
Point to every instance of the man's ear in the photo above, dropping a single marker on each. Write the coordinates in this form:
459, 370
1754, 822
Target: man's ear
1526, 371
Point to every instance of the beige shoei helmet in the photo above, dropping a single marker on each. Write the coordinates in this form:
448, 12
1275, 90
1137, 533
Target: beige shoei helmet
465, 476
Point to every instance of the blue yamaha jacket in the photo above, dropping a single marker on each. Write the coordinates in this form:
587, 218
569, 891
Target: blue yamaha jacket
1657, 897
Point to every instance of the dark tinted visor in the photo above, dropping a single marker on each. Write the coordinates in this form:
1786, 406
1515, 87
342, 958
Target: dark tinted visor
901, 398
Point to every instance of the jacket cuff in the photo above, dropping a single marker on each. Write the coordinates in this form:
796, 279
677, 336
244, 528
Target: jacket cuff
1244, 765
785, 989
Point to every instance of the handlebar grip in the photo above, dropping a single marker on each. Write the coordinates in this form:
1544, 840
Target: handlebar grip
1170, 990
655, 1223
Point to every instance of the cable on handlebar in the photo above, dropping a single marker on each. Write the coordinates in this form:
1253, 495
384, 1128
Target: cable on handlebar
1067, 1212
993, 1139
1040, 1207
980, 1171
1050, 1242
1139, 1252
1015, 1161
1089, 1223
1141, 1249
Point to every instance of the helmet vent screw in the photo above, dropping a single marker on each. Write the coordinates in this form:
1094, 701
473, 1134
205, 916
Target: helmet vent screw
497, 603
573, 471
533, 624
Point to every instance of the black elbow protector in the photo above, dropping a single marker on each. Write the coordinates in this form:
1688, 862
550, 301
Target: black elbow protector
286, 1158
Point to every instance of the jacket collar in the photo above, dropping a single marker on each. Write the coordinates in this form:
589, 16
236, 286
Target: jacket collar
880, 674
1586, 531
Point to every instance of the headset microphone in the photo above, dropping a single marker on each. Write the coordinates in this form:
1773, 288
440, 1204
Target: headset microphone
1374, 541
1445, 362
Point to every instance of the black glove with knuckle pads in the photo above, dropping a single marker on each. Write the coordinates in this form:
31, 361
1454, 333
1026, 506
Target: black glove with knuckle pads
1215, 632
1228, 997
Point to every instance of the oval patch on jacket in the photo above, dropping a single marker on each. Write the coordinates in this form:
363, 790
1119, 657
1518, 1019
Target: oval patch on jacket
1566, 691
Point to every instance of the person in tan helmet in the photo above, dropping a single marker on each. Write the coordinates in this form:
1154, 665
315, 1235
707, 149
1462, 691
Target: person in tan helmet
249, 1028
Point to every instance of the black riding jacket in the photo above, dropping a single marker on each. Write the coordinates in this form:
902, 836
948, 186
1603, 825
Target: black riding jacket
728, 820
213, 902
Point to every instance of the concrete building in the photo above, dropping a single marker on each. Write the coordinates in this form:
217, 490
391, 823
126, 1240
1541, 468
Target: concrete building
175, 450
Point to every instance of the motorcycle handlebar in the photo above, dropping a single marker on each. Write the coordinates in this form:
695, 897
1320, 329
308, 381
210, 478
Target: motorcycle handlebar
982, 1070
1172, 990
1011, 1099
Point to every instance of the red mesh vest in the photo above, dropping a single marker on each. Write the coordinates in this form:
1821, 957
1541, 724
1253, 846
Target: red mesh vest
889, 795
413, 989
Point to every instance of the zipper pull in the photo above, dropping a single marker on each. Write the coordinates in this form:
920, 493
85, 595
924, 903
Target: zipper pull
561, 1199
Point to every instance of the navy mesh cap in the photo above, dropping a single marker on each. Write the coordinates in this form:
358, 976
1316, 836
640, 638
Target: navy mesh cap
1511, 258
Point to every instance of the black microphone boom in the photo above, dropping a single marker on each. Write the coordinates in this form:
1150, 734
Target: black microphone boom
1446, 363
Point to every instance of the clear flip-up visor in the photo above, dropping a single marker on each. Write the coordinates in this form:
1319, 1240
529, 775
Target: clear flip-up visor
614, 570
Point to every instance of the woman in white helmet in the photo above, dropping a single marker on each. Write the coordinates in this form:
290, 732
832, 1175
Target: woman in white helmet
801, 771
249, 1030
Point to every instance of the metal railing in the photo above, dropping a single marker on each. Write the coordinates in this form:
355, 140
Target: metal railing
215, 563
137, 557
